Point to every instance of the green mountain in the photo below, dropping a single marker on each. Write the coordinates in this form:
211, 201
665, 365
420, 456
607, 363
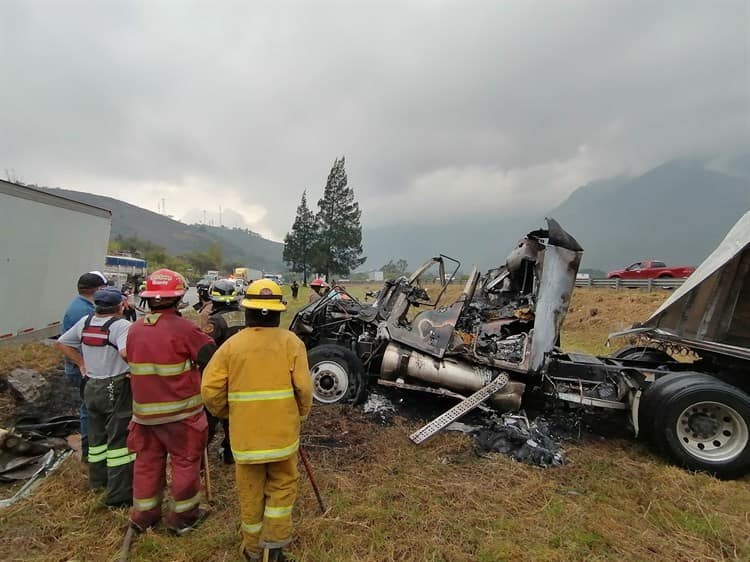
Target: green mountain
240, 246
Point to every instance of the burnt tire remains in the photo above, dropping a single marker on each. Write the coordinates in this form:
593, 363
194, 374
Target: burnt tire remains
643, 353
337, 375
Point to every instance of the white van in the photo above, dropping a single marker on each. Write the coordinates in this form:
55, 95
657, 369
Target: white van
279, 279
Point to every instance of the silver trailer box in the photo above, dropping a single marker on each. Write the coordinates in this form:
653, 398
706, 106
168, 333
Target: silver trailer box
46, 243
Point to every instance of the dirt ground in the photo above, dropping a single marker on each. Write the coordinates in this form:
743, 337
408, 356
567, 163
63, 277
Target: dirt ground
389, 500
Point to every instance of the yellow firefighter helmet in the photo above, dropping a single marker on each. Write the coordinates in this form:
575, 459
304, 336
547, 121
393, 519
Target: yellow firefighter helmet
264, 294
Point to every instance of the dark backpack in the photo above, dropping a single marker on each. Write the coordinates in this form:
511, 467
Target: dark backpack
97, 336
222, 330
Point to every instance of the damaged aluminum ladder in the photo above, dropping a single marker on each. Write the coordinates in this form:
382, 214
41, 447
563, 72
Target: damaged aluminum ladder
460, 409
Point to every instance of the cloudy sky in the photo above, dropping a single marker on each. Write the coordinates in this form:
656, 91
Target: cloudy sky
464, 107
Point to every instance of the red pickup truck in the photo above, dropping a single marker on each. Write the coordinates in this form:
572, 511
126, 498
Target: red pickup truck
651, 269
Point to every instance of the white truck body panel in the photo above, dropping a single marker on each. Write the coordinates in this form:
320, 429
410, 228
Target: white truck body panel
46, 243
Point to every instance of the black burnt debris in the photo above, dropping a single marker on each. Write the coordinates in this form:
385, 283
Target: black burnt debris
537, 442
530, 443
33, 443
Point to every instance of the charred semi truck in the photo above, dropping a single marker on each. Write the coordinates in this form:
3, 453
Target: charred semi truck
501, 337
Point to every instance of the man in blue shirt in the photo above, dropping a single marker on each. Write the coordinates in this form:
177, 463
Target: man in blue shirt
81, 306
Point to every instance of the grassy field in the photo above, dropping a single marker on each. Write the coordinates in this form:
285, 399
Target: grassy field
392, 501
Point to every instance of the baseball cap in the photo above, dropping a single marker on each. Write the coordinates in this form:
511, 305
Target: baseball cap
92, 280
108, 296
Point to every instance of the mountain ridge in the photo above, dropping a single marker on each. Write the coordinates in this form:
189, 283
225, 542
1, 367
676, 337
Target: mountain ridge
240, 246
676, 212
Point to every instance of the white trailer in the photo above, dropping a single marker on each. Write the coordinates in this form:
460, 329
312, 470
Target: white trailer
46, 243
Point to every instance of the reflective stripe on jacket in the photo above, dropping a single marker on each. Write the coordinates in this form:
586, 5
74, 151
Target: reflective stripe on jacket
164, 378
260, 379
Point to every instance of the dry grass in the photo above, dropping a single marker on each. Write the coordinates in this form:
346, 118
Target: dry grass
39, 356
392, 501
595, 313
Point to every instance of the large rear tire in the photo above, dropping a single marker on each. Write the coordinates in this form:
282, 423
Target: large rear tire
701, 423
338, 376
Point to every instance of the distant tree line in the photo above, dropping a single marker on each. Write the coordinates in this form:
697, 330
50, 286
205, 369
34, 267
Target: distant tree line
395, 269
329, 241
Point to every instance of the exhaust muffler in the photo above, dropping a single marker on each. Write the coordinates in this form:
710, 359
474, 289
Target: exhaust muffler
448, 373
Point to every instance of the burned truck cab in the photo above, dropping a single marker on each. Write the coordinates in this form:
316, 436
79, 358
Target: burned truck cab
505, 321
499, 339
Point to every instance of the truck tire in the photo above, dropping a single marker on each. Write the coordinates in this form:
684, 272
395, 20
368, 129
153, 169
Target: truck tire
337, 375
642, 353
702, 423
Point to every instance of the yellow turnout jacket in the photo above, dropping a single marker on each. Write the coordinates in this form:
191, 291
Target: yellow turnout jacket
260, 379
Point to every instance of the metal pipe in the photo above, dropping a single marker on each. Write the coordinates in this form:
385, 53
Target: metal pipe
448, 373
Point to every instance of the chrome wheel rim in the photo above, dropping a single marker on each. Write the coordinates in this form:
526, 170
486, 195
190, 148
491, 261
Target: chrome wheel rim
330, 382
712, 431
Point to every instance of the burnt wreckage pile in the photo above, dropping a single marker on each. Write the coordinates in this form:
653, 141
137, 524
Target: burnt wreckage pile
500, 327
498, 342
46, 413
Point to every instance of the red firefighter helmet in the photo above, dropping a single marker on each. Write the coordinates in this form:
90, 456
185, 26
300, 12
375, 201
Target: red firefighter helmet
164, 284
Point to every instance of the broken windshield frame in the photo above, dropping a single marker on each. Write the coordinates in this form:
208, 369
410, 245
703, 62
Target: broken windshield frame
414, 278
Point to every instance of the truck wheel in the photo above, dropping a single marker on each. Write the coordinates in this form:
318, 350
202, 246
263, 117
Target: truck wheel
337, 375
702, 423
642, 353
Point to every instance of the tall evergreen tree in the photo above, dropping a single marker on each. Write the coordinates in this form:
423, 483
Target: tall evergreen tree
300, 242
339, 232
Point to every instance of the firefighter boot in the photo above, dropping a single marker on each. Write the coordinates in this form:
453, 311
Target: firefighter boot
276, 555
181, 530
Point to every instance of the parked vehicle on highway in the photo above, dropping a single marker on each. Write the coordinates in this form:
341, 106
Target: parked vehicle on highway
651, 269
248, 274
276, 278
502, 335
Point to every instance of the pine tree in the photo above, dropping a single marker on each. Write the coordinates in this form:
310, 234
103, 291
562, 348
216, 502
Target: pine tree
339, 232
300, 242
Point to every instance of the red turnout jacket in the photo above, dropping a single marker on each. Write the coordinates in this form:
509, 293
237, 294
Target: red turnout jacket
163, 349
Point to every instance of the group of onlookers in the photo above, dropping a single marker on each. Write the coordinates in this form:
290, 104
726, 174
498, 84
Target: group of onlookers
146, 385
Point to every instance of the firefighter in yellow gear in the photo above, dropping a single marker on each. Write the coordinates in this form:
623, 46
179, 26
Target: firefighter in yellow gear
260, 380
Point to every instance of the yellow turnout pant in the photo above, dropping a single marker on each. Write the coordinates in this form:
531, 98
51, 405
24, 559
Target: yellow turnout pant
267, 493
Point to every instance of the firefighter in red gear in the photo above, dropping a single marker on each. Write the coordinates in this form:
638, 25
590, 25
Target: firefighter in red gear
259, 378
165, 352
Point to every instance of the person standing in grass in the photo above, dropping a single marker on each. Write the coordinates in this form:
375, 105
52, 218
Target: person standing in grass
166, 352
96, 344
82, 305
260, 380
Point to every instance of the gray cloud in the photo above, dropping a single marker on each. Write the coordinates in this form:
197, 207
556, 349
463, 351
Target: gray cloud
466, 107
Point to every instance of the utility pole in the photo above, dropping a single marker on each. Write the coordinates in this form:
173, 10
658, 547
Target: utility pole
220, 221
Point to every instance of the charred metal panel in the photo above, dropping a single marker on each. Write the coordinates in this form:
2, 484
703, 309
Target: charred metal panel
559, 267
430, 331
